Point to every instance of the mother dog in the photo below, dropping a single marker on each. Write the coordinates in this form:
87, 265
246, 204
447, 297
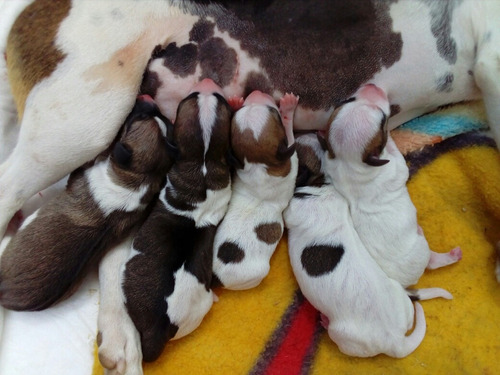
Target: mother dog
75, 67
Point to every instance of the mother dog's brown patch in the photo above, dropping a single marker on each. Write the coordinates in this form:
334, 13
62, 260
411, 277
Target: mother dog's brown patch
33, 56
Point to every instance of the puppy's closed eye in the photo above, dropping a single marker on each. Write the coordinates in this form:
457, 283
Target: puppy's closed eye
122, 155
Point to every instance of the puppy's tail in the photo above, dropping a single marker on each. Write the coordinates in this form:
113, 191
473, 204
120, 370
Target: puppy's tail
411, 342
428, 293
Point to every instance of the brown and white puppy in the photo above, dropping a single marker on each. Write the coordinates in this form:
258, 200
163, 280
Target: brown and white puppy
76, 69
263, 146
366, 167
166, 282
365, 312
102, 201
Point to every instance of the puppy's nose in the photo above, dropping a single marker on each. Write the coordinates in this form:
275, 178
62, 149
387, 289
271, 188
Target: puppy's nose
258, 97
207, 86
372, 93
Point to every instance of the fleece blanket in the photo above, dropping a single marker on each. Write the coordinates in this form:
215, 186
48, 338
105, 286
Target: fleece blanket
272, 329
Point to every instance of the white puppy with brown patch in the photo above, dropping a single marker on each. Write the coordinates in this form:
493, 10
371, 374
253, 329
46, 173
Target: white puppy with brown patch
366, 167
366, 312
263, 147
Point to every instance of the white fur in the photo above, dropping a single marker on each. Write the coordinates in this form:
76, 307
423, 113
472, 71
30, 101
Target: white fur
368, 312
207, 115
257, 198
189, 302
110, 196
253, 117
120, 351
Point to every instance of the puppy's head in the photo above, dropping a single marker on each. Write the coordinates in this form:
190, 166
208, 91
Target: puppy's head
258, 135
144, 147
202, 124
309, 153
358, 127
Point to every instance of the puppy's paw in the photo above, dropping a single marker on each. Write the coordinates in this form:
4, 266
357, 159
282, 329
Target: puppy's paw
288, 103
119, 346
438, 260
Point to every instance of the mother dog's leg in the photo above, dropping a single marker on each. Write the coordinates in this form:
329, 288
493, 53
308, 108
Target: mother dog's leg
118, 339
58, 134
9, 10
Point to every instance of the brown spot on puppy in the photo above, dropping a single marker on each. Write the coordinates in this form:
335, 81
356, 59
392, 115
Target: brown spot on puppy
319, 260
269, 232
270, 148
33, 56
229, 252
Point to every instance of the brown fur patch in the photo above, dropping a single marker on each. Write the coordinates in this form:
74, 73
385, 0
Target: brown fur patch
377, 143
269, 233
150, 158
264, 150
310, 164
31, 52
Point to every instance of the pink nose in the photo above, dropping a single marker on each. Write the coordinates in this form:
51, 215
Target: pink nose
258, 97
207, 86
372, 93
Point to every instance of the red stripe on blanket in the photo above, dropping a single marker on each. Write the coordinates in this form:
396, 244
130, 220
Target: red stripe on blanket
298, 345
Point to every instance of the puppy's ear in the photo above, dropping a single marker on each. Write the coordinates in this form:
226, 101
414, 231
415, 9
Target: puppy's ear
172, 148
303, 176
371, 155
233, 161
122, 155
375, 161
325, 145
284, 151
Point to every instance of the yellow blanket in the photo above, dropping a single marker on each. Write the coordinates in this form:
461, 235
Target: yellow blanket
455, 185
